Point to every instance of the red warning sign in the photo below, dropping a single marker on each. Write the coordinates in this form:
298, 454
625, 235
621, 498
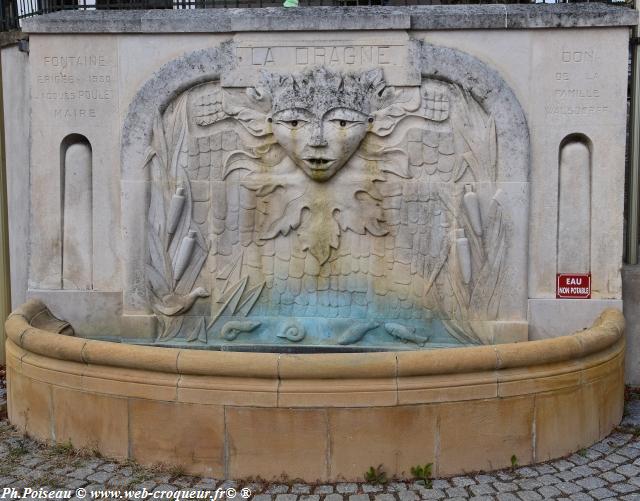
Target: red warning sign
573, 286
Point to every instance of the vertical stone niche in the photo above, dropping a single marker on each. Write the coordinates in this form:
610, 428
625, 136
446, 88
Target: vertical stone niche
574, 204
77, 212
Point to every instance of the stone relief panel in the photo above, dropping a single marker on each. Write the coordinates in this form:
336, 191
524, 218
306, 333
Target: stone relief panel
327, 208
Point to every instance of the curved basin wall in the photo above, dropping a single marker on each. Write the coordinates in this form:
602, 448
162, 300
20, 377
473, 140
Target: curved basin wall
317, 417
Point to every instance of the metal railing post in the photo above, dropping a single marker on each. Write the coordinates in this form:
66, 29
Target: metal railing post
634, 156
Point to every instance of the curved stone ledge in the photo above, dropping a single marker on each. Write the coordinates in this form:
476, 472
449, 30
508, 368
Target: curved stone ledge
605, 333
322, 416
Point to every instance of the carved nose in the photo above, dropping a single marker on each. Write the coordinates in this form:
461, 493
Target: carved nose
317, 136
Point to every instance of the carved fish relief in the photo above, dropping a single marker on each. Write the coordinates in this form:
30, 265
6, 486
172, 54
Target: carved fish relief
356, 332
234, 328
406, 334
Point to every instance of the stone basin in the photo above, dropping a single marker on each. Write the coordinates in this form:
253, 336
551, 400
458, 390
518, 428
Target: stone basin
324, 417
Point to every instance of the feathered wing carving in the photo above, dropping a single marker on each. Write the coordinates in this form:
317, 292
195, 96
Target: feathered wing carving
403, 232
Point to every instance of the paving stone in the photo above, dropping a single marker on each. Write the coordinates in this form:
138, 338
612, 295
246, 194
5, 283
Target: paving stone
603, 465
568, 475
616, 458
507, 497
544, 469
32, 462
562, 465
261, 497
618, 439
74, 484
629, 452
95, 487
568, 487
548, 479
300, 489
549, 492
308, 497
118, 482
590, 483
527, 472
165, 488
372, 488
272, 489
211, 484
623, 488
94, 463
4, 481
584, 471
601, 493
462, 481
359, 497
81, 473
529, 496
323, 489
580, 496
611, 476
231, 484
344, 488
286, 497
150, 485
334, 497
632, 497
384, 497
486, 479
577, 459
592, 454
505, 486
407, 496
432, 494
396, 486
100, 476
440, 483
529, 484
457, 492
481, 489
629, 470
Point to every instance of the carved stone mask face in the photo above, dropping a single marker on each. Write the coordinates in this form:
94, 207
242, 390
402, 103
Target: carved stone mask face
321, 116
320, 143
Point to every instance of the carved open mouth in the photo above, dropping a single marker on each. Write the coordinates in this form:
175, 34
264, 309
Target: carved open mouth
319, 163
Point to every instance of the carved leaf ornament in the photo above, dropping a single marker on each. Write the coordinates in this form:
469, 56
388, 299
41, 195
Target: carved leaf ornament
325, 192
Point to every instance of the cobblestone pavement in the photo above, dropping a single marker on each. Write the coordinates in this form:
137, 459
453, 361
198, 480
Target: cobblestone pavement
608, 470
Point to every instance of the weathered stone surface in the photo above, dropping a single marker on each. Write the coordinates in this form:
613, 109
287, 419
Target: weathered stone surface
16, 97
332, 18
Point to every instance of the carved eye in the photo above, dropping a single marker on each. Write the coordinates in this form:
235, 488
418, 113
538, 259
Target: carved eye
295, 123
343, 123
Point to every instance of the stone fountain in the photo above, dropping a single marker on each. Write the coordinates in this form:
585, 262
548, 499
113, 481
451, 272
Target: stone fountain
306, 242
